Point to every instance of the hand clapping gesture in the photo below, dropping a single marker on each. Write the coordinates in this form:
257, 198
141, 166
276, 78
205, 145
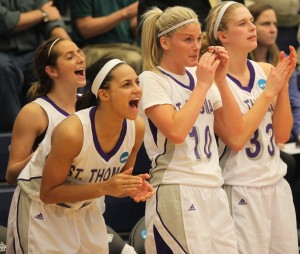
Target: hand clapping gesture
143, 192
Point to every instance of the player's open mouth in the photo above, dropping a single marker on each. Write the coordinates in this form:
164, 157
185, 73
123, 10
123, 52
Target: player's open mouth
134, 103
80, 72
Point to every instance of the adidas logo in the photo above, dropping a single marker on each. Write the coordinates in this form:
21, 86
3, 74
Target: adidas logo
39, 216
2, 247
192, 208
242, 202
110, 237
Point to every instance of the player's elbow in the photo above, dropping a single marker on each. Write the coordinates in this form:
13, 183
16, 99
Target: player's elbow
282, 140
44, 197
10, 180
175, 138
235, 145
11, 176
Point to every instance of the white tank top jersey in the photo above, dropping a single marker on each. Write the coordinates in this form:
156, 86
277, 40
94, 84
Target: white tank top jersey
258, 163
30, 177
195, 161
93, 164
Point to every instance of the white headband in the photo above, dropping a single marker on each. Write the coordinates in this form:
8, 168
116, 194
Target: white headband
220, 16
102, 74
176, 26
53, 43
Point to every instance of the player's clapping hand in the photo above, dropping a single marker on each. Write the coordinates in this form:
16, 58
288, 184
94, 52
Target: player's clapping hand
278, 76
292, 57
206, 69
144, 191
123, 184
222, 69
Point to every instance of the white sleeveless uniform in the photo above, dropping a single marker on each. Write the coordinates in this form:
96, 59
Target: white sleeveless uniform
187, 175
260, 199
71, 227
34, 167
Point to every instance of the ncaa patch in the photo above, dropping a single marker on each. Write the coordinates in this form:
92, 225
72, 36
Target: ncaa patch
124, 157
143, 234
262, 83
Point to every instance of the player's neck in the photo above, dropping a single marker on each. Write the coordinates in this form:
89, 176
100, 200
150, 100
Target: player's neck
172, 66
237, 66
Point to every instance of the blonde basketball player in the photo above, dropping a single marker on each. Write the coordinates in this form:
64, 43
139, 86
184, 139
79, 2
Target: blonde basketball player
260, 199
180, 106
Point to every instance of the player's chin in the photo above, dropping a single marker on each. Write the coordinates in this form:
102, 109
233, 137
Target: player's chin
131, 116
193, 61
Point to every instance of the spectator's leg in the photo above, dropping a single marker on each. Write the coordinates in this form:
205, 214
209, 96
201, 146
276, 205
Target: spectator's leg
126, 52
95, 52
11, 78
27, 65
132, 55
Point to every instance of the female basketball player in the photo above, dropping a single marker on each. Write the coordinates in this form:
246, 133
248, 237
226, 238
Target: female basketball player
60, 66
260, 199
92, 155
180, 106
267, 50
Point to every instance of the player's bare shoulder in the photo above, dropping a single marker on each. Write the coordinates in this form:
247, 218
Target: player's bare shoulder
266, 67
69, 131
31, 111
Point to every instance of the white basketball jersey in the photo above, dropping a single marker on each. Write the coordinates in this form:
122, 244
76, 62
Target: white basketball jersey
194, 161
93, 164
30, 177
258, 163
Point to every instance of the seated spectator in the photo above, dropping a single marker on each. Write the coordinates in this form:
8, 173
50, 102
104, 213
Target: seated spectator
106, 28
288, 17
23, 26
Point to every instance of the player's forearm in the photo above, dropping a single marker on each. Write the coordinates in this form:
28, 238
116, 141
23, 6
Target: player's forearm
70, 193
282, 117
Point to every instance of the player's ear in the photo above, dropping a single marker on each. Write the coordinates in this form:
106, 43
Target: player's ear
164, 42
51, 72
222, 36
103, 95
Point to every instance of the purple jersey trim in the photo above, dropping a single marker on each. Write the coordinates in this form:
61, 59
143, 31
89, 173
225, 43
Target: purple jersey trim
18, 228
190, 87
250, 85
153, 130
46, 98
161, 246
106, 156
